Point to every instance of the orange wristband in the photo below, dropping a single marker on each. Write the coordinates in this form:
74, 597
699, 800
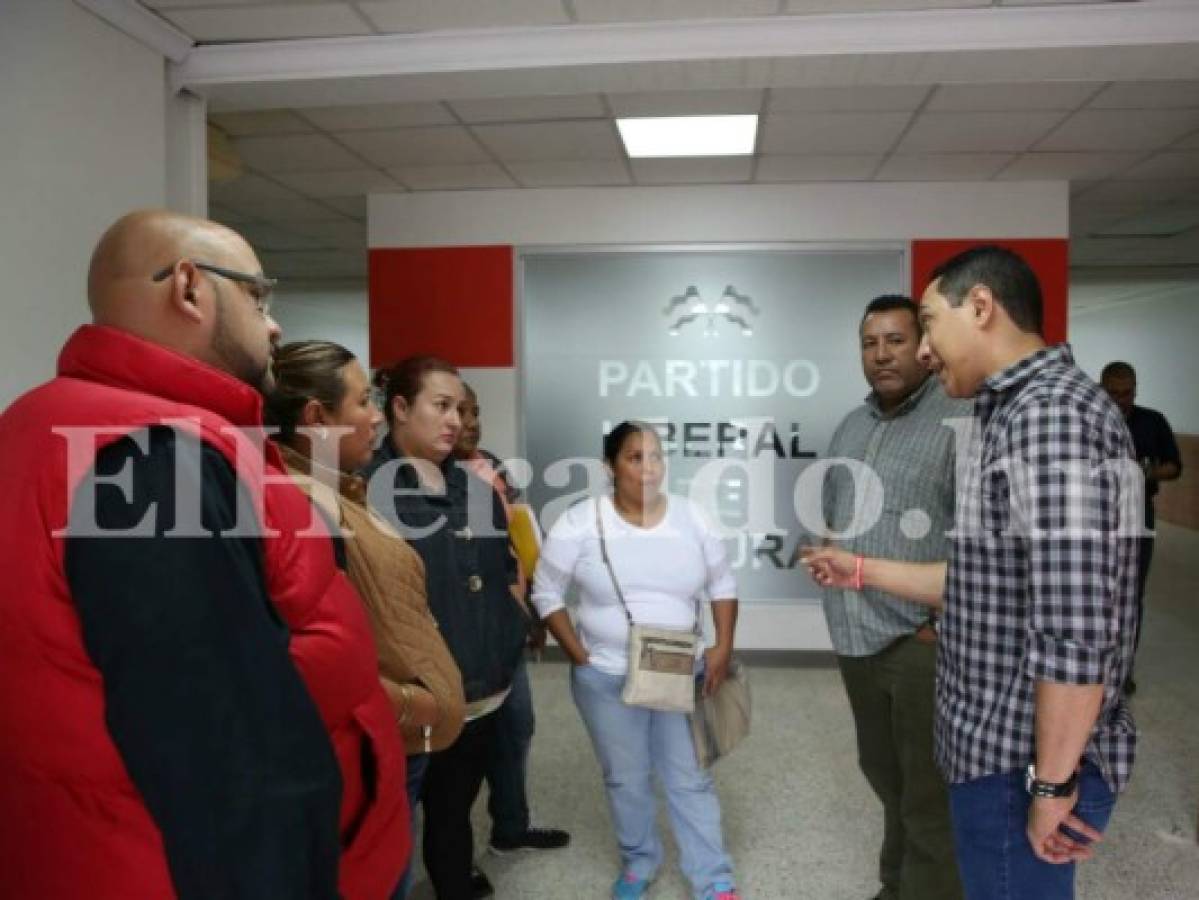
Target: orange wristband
859, 563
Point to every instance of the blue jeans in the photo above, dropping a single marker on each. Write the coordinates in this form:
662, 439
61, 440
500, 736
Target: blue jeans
995, 859
632, 743
417, 764
508, 803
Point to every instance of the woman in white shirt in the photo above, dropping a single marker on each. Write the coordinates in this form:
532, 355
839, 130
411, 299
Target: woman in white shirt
665, 554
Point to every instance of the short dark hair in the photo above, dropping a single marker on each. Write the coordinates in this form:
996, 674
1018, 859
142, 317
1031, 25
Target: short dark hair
1118, 369
888, 302
1010, 279
615, 439
304, 370
406, 378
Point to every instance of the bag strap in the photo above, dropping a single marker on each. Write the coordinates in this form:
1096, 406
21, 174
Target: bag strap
599, 527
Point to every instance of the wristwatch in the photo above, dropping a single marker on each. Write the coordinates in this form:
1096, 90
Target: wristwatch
1048, 789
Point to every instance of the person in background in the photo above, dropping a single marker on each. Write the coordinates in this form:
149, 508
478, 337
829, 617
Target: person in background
456, 523
1157, 452
1038, 597
188, 686
887, 646
321, 404
664, 553
508, 803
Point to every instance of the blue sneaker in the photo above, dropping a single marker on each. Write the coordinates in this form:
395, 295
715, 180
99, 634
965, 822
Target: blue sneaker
721, 890
629, 887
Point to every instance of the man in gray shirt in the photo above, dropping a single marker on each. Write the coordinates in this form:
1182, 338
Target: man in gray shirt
886, 647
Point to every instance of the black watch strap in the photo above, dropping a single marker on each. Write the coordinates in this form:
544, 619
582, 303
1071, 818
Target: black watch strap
1048, 789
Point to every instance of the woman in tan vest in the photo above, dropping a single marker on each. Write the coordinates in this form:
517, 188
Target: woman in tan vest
327, 421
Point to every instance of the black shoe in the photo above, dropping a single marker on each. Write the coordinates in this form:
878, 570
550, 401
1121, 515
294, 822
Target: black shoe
480, 884
532, 839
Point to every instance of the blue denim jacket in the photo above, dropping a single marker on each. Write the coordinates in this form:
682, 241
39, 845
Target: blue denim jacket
468, 575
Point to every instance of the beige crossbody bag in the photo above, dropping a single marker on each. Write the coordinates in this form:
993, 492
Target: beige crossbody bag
661, 671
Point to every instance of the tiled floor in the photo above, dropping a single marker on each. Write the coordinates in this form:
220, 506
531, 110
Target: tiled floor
800, 821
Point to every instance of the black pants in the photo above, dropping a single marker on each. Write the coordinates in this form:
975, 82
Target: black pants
451, 786
1145, 557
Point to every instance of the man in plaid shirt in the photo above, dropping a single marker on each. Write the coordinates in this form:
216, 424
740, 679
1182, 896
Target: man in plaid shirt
1038, 595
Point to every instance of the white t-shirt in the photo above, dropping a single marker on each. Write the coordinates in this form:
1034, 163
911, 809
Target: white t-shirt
661, 570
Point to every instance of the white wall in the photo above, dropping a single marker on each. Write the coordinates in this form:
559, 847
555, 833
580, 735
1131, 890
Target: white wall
1157, 335
720, 214
337, 314
84, 141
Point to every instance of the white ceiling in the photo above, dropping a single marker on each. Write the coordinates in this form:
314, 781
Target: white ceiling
1120, 122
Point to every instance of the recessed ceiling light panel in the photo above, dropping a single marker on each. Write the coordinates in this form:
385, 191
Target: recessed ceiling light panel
689, 136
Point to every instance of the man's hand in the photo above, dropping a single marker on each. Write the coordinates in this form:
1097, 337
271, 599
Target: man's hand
830, 566
716, 667
1047, 817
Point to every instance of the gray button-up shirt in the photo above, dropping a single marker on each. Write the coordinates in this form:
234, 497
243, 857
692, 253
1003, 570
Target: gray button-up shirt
911, 453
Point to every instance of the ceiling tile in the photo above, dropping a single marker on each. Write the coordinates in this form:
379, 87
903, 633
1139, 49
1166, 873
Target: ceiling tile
551, 141
294, 153
294, 209
847, 99
857, 6
265, 238
449, 178
438, 15
979, 132
702, 170
1126, 129
1170, 220
686, 103
377, 115
339, 183
440, 145
530, 109
823, 133
645, 10
1014, 97
1128, 197
816, 168
1069, 166
340, 235
354, 207
1182, 164
248, 188
227, 216
1148, 95
267, 121
265, 23
942, 167
570, 173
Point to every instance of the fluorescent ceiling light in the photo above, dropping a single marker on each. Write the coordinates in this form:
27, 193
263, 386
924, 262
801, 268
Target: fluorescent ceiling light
689, 136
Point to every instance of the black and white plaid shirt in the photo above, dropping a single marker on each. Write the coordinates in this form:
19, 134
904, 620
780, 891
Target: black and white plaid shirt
1042, 582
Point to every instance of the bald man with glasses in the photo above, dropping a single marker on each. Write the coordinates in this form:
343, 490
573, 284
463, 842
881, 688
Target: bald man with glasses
191, 702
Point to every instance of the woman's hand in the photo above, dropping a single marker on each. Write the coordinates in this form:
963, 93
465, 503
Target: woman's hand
716, 667
831, 566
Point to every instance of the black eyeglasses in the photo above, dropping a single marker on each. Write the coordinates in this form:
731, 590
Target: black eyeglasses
261, 287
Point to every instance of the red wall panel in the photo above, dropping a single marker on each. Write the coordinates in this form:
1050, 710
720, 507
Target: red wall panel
453, 302
1049, 258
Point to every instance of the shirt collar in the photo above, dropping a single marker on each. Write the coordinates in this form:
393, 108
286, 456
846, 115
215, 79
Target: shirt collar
1025, 370
905, 406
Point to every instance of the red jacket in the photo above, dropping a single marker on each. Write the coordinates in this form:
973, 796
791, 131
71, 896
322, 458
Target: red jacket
72, 823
